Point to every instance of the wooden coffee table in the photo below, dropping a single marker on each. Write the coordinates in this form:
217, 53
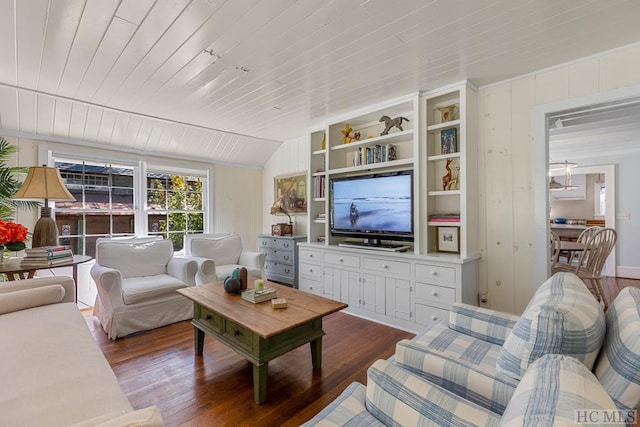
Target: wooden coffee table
259, 332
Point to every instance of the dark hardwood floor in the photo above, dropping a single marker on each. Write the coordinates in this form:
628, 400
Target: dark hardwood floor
159, 368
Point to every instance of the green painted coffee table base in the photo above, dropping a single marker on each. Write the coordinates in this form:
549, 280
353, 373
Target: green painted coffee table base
253, 347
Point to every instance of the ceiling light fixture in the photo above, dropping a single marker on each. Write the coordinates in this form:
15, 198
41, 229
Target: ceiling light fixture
566, 166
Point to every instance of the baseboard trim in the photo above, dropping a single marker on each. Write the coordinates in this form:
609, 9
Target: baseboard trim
628, 272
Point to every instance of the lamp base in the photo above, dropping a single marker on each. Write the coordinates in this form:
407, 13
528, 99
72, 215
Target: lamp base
45, 233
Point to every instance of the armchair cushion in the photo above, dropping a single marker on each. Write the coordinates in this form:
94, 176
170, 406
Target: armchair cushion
223, 250
488, 325
618, 366
29, 298
551, 392
139, 289
563, 317
397, 397
459, 363
136, 259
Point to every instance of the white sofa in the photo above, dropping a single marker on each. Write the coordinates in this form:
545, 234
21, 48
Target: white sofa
137, 281
52, 371
227, 253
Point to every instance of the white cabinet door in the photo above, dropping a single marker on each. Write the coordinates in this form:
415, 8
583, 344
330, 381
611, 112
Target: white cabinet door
373, 293
398, 301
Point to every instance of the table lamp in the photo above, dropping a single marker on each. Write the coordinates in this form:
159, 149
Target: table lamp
43, 182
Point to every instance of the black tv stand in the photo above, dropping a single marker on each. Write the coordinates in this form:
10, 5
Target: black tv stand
375, 245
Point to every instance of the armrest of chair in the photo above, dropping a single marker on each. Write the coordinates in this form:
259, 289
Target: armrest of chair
109, 284
64, 281
206, 270
184, 269
252, 260
488, 325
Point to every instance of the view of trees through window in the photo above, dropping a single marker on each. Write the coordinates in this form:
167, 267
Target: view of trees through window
174, 206
108, 203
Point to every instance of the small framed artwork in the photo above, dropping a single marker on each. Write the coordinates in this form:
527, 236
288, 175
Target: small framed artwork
449, 141
448, 239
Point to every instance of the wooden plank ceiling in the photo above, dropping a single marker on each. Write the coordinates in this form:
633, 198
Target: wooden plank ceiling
226, 81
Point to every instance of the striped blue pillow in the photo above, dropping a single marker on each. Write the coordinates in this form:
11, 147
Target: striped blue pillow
551, 392
561, 318
618, 367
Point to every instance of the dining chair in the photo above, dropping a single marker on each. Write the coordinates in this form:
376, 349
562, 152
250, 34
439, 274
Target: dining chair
555, 249
583, 238
591, 261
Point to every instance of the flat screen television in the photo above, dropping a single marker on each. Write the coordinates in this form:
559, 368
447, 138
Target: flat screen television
373, 207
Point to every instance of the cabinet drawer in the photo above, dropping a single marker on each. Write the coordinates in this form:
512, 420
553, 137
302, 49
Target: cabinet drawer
340, 259
209, 319
435, 272
267, 242
310, 270
310, 285
310, 255
278, 268
386, 266
435, 293
239, 334
426, 315
283, 256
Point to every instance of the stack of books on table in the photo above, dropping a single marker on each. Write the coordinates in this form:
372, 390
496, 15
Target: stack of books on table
444, 217
47, 256
259, 296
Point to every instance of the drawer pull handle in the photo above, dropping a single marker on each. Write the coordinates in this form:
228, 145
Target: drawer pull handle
434, 318
286, 245
434, 273
341, 260
208, 317
310, 288
311, 270
310, 255
236, 332
434, 293
286, 258
286, 270
385, 266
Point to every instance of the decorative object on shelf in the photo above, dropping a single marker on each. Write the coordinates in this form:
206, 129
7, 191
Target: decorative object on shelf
448, 239
447, 178
447, 113
390, 123
43, 182
454, 181
291, 191
232, 285
566, 166
346, 134
356, 136
324, 141
281, 229
12, 237
449, 141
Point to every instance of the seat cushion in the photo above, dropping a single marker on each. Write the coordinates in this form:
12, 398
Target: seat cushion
561, 318
138, 289
558, 390
224, 250
347, 410
147, 258
459, 363
618, 366
398, 397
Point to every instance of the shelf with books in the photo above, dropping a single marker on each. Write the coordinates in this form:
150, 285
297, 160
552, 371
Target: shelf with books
378, 140
389, 164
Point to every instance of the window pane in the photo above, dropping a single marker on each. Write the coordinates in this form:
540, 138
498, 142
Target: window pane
195, 222
98, 223
178, 240
175, 200
157, 223
124, 223
177, 221
122, 198
156, 199
194, 201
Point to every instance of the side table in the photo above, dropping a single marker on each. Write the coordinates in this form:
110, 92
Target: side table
281, 257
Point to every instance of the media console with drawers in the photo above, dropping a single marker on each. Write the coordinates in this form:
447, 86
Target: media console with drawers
404, 290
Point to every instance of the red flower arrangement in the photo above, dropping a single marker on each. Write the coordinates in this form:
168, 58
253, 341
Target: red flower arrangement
12, 236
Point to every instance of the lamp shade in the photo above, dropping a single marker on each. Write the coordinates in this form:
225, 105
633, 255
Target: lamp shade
43, 182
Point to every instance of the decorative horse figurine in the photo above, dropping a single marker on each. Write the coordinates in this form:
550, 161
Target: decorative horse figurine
454, 180
447, 178
389, 123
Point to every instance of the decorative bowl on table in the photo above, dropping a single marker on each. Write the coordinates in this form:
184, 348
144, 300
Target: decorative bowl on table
560, 220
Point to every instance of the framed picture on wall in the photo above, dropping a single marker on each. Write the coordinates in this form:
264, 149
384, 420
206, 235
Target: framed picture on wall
448, 239
291, 191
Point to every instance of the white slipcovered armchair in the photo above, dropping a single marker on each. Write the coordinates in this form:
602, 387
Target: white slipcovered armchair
226, 251
137, 281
